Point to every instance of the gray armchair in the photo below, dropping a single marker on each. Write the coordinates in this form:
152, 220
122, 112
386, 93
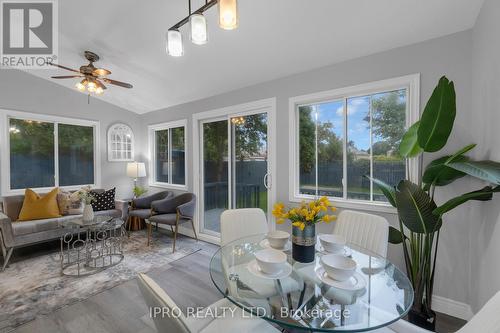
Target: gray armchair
173, 212
140, 208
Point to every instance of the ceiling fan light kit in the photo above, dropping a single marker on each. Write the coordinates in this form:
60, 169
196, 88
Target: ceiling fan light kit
93, 77
228, 20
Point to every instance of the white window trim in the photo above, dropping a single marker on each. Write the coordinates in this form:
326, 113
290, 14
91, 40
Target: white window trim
409, 82
5, 149
110, 148
152, 156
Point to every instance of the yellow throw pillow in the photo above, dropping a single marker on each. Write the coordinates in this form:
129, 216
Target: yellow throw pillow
36, 207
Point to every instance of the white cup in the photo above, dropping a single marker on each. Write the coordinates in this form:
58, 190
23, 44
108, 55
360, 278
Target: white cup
338, 267
270, 261
332, 243
278, 239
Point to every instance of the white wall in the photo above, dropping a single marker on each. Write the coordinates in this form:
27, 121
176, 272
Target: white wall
484, 122
21, 91
449, 55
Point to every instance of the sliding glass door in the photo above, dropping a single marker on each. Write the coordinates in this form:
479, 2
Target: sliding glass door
235, 166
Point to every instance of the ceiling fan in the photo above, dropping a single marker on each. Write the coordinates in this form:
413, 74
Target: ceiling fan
93, 77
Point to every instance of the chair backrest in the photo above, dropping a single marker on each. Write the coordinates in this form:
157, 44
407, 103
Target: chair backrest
171, 318
487, 319
366, 230
238, 223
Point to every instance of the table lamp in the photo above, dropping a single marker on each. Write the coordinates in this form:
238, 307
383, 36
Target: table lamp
136, 170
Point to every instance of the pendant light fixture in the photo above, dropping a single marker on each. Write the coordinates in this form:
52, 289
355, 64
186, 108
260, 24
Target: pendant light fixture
228, 14
228, 19
198, 23
175, 48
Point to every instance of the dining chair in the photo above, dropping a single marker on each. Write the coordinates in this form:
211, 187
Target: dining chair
243, 222
366, 230
174, 319
486, 320
173, 212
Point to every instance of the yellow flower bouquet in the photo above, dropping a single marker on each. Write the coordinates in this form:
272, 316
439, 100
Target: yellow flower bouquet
306, 214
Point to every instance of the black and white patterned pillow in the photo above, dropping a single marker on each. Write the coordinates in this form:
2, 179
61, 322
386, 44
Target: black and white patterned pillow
104, 200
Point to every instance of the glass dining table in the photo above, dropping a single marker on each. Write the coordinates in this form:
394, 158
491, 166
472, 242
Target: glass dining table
303, 298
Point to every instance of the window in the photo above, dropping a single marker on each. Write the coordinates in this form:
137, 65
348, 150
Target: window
168, 151
45, 152
344, 135
120, 143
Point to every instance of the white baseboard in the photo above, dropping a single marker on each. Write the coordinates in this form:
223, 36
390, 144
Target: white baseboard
451, 307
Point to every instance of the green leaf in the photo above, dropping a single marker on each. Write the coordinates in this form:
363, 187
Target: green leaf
387, 190
484, 194
395, 236
440, 174
438, 117
409, 144
458, 154
485, 170
415, 208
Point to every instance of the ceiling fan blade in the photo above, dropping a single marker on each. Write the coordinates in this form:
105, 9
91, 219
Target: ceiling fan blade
101, 72
66, 76
117, 83
64, 67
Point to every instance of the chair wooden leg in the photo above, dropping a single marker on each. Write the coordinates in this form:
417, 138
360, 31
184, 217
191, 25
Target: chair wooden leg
175, 234
195, 235
149, 233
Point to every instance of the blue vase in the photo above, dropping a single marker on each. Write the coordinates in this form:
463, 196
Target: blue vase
304, 243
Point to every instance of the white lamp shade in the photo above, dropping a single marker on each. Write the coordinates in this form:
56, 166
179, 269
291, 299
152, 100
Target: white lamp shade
199, 35
228, 14
175, 48
136, 170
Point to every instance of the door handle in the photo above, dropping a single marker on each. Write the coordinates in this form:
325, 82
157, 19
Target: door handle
266, 181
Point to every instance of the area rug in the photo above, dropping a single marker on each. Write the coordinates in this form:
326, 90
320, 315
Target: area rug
34, 286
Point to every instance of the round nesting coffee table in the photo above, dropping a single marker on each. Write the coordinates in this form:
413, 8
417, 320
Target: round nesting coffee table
89, 247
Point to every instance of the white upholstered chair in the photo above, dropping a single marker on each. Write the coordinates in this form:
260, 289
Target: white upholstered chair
243, 222
176, 321
366, 230
486, 320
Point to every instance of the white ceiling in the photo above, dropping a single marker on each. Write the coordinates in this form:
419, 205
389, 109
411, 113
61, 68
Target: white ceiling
276, 38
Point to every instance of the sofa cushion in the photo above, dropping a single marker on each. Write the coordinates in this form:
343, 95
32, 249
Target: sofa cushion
69, 203
39, 207
31, 227
12, 206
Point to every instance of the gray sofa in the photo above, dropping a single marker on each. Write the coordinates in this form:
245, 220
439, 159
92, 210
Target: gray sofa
18, 234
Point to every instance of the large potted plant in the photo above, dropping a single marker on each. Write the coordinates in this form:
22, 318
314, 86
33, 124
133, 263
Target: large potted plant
420, 218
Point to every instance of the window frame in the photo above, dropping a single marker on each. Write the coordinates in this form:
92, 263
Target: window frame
152, 129
6, 115
409, 82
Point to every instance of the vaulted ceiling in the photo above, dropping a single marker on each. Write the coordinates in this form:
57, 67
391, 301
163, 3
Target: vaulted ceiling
276, 38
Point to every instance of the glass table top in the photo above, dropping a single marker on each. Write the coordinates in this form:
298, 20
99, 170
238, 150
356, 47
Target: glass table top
99, 220
304, 298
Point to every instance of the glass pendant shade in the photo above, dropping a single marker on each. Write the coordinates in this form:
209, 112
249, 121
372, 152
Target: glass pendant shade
199, 34
175, 48
228, 14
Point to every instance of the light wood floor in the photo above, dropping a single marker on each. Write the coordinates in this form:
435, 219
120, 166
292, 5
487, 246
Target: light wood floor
122, 309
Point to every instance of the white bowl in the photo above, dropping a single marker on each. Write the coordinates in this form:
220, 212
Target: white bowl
338, 267
332, 243
270, 261
278, 239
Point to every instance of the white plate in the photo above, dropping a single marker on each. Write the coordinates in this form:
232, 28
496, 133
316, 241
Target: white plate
347, 250
265, 244
254, 268
354, 283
